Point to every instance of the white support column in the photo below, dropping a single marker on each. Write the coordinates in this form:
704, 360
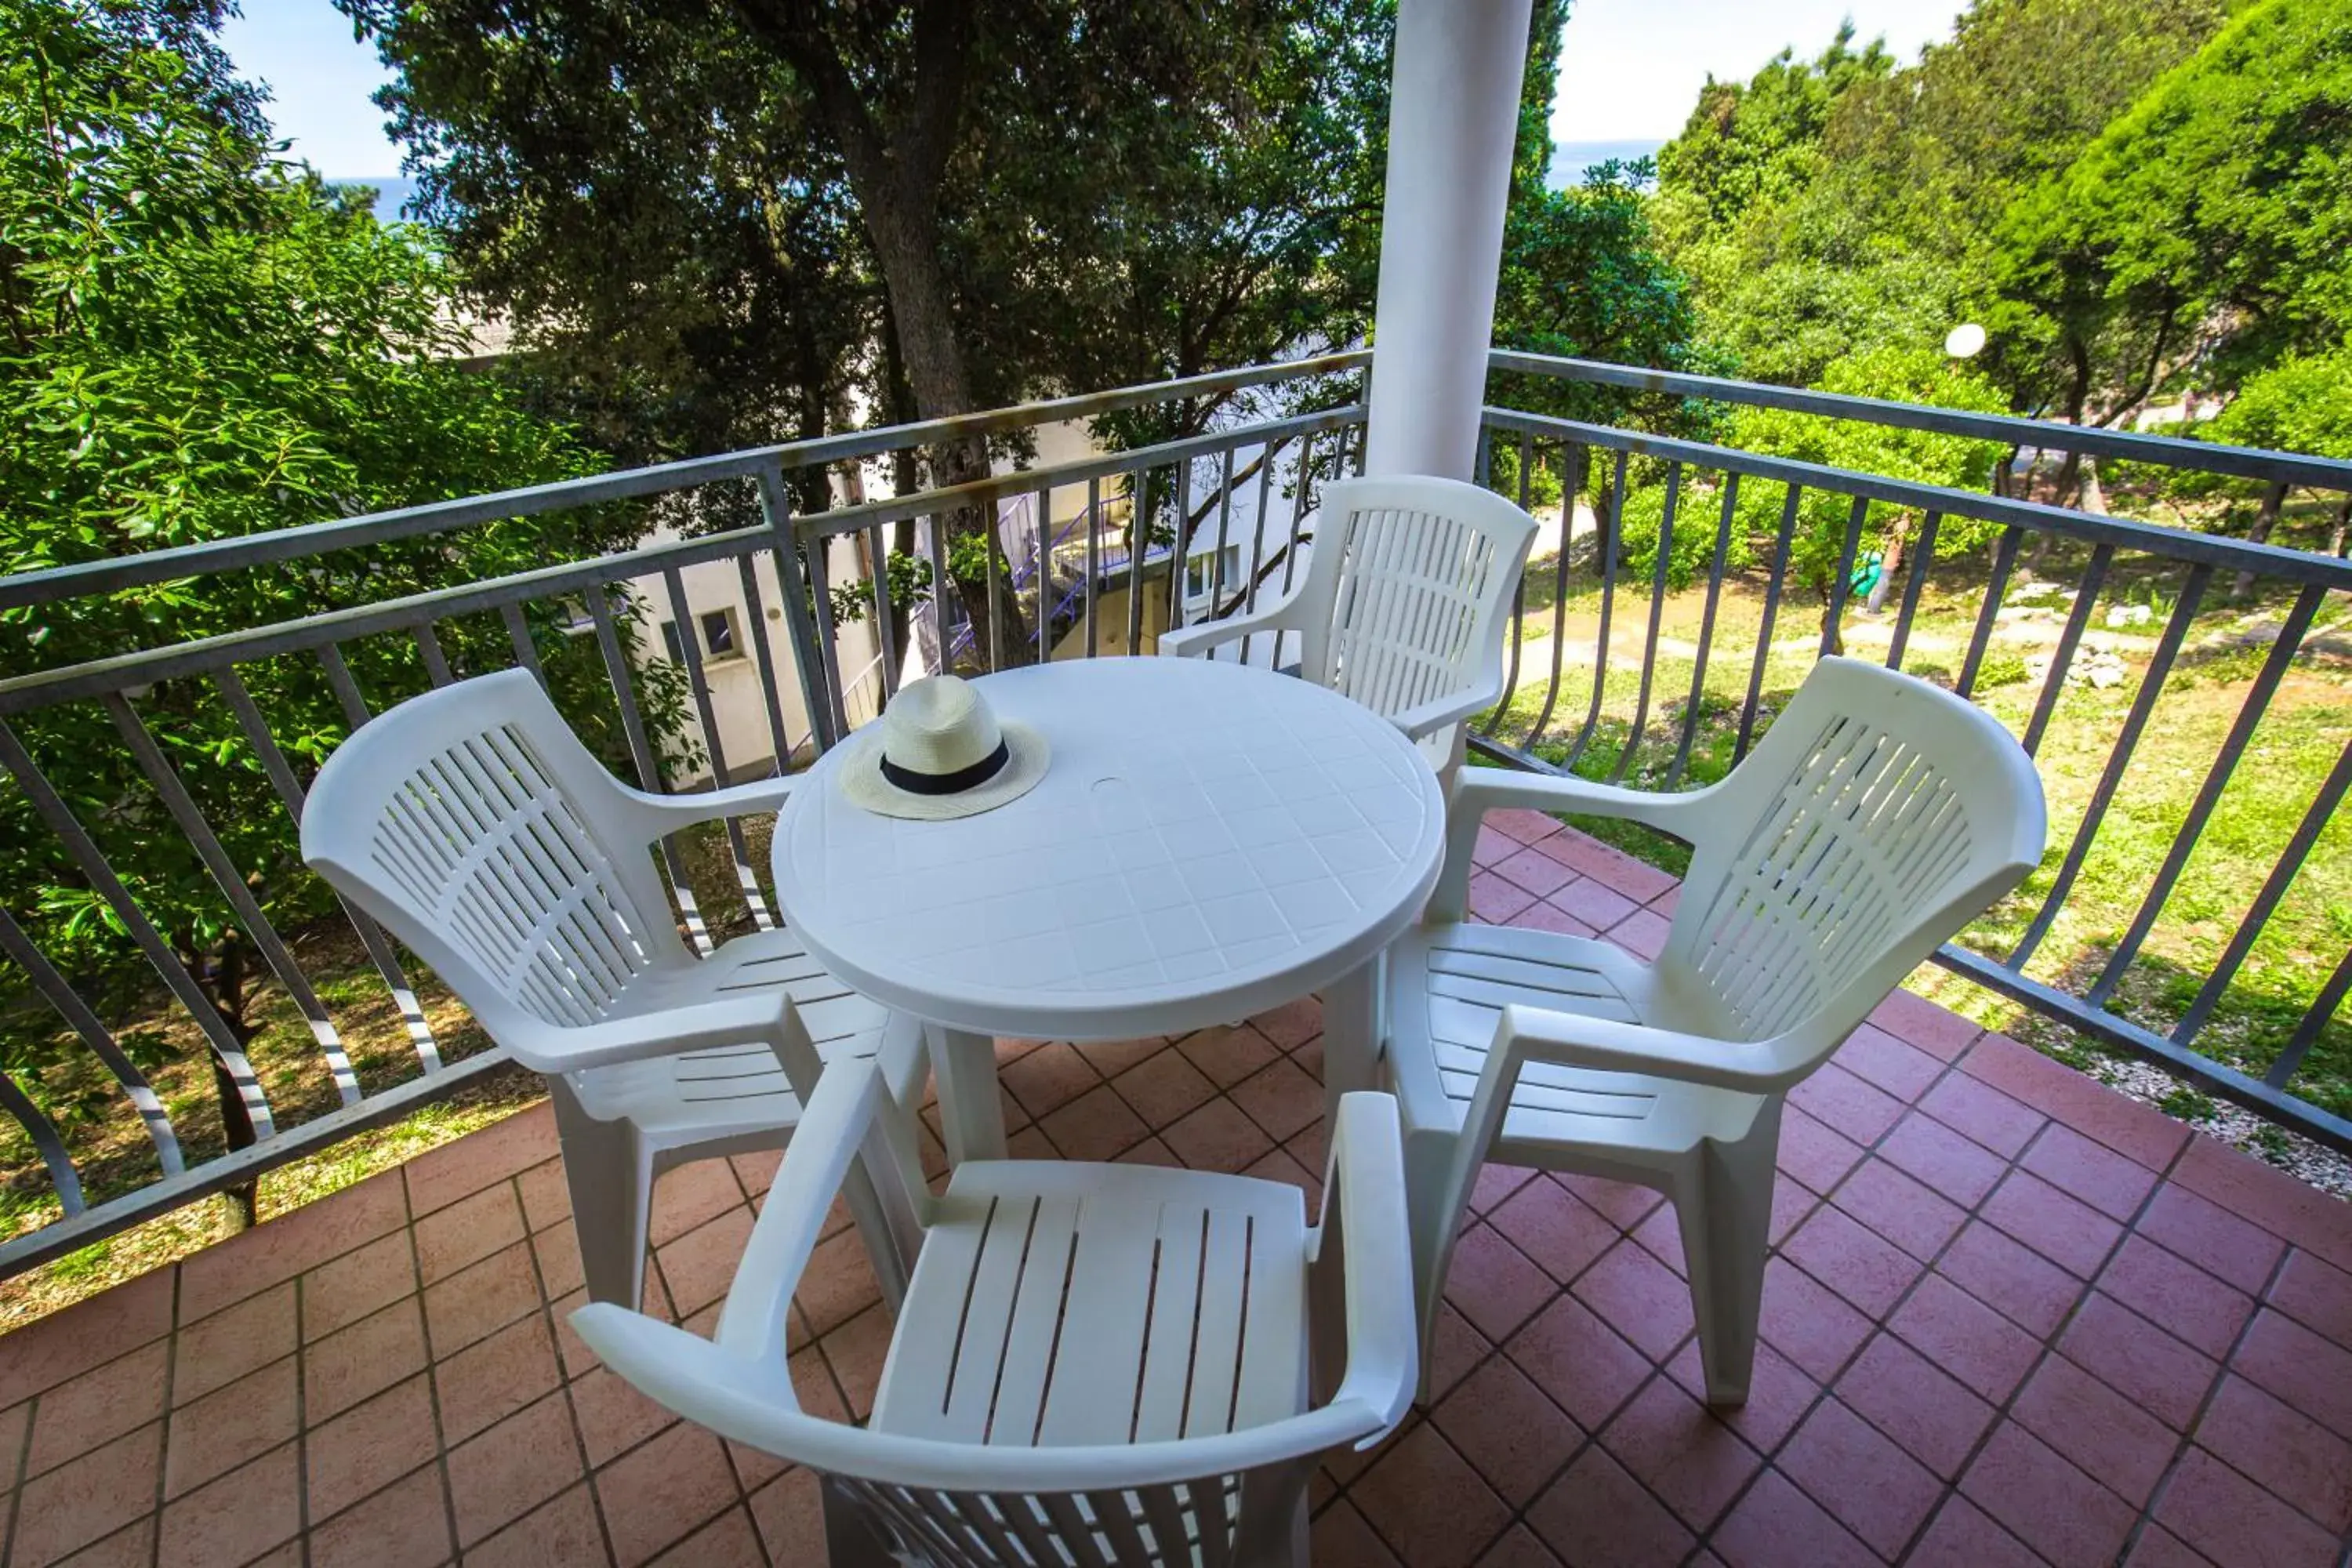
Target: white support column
1454, 116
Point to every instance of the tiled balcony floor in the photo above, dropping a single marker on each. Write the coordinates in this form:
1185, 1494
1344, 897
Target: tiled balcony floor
2015, 1319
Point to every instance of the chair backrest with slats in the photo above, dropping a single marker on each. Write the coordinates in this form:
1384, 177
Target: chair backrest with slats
1417, 573
1144, 1526
472, 822
1877, 817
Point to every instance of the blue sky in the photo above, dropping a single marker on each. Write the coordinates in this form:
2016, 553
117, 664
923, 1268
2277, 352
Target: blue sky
1630, 69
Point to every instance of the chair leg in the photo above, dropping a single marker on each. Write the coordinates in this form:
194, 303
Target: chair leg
852, 1538
1433, 1217
611, 1180
1724, 1205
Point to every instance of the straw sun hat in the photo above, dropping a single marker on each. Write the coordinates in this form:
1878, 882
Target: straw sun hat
937, 752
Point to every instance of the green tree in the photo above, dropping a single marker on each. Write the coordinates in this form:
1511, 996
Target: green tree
201, 343
2302, 404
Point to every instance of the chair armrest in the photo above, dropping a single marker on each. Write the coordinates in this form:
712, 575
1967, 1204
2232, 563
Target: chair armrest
1477, 791
1364, 1182
768, 1019
1573, 1039
668, 813
1191, 642
1431, 716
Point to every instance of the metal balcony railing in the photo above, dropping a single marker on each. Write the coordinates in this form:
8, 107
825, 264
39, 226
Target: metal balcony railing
125, 1129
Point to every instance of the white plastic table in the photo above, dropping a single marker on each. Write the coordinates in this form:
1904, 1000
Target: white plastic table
1210, 840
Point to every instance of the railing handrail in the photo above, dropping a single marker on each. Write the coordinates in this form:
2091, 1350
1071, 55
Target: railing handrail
304, 540
2132, 445
2306, 566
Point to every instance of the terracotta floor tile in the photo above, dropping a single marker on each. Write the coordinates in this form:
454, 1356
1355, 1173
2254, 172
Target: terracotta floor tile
1509, 1431
1518, 1549
2211, 1238
1545, 915
728, 1542
614, 1417
96, 1407
1847, 1104
481, 1298
2315, 1294
228, 1344
290, 1244
697, 1267
1960, 1168
2160, 1548
1668, 1440
1537, 873
2292, 1457
1808, 1323
1900, 1209
491, 1379
1573, 1357
691, 1194
2311, 1373
2108, 1437
2046, 1502
1281, 1099
2010, 1276
1341, 1535
352, 1363
1493, 1283
2192, 1304
1097, 1125
443, 1175
2092, 1172
1661, 1236
1861, 1477
1779, 1394
1982, 1113
406, 1525
555, 1535
1494, 900
1903, 1394
547, 1195
1428, 1503
1227, 1056
1966, 1338
1879, 1058
1521, 826
1939, 1031
212, 1435
1775, 1525
1456, 1350
1813, 1153
511, 1468
2227, 1517
1293, 1023
1642, 933
1964, 1536
133, 1546
237, 1517
1621, 1204
2138, 1360
1051, 1076
1589, 903
2145, 1135
556, 1251
1597, 1513
1164, 1087
366, 1280
369, 1446
88, 1497
1639, 1297
855, 1351
1859, 1265
2070, 1235
467, 1231
1218, 1136
664, 1490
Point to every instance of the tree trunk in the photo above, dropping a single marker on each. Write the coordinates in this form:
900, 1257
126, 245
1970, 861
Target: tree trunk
2265, 520
2335, 536
223, 979
1890, 562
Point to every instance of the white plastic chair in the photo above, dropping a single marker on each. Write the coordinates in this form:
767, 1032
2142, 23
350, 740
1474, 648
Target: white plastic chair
474, 825
1877, 817
1403, 605
1094, 1364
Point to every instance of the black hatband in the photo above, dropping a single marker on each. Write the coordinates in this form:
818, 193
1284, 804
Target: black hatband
962, 779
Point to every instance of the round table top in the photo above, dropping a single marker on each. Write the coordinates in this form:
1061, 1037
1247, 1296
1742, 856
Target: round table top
1209, 841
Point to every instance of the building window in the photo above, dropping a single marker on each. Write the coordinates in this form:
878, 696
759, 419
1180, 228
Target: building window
1203, 573
670, 644
719, 639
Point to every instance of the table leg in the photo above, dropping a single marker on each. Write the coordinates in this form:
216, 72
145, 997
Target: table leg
971, 1117
1351, 1042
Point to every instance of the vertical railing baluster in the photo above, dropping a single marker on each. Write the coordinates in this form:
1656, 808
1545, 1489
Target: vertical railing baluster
1772, 585
1298, 505
826, 725
828, 648
992, 584
936, 545
1179, 553
2062, 657
1043, 574
226, 876
526, 647
1094, 562
2004, 558
698, 680
436, 663
64, 1179
1842, 586
228, 1051
1657, 620
1573, 462
772, 705
1518, 602
1696, 706
346, 689
1923, 551
59, 992
641, 754
378, 946
2151, 687
2315, 1018
2209, 794
885, 637
1138, 544
1612, 525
